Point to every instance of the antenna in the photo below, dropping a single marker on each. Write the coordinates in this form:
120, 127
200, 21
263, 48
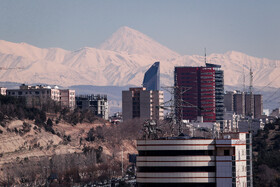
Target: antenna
205, 55
243, 79
251, 100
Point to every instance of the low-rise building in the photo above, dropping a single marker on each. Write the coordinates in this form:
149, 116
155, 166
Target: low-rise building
67, 98
37, 96
98, 104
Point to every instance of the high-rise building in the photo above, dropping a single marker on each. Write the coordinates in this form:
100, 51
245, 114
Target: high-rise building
249, 109
151, 79
240, 103
98, 104
258, 106
219, 91
228, 101
142, 103
186, 161
197, 85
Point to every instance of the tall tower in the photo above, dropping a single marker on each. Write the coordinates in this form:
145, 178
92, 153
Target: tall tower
151, 79
201, 93
219, 90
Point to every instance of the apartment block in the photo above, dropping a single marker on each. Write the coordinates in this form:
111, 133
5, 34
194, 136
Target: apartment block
228, 101
244, 104
98, 104
67, 98
38, 95
239, 103
186, 161
141, 103
258, 105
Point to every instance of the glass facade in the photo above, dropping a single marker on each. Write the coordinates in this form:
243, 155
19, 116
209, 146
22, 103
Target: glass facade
151, 78
219, 90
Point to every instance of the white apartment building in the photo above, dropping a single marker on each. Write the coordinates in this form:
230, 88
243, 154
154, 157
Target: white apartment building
36, 96
186, 161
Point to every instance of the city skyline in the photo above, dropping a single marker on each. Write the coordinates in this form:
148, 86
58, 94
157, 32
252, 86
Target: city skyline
185, 27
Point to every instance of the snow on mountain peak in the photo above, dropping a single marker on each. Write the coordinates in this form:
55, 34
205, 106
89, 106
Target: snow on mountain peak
121, 60
128, 40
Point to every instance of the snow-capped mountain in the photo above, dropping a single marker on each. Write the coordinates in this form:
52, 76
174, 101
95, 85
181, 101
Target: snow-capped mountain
121, 60
134, 42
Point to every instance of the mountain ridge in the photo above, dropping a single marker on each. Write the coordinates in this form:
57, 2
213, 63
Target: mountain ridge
122, 60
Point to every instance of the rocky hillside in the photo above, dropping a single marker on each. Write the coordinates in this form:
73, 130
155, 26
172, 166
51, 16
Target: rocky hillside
75, 146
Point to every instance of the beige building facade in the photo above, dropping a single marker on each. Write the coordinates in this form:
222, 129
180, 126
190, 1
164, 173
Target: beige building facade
142, 103
36, 96
67, 98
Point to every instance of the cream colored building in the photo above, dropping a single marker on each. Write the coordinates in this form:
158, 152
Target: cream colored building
186, 161
36, 96
67, 98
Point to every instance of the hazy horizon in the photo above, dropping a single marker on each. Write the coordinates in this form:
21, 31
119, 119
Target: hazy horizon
186, 27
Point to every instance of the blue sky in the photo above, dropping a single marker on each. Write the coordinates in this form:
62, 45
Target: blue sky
186, 26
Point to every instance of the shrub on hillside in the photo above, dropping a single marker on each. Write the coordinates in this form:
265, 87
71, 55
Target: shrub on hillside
90, 136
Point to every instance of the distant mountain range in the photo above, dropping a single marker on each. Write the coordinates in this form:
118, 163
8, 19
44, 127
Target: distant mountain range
122, 60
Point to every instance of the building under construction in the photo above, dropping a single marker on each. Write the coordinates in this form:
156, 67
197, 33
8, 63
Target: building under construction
98, 104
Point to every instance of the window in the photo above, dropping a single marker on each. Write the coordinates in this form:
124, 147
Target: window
226, 152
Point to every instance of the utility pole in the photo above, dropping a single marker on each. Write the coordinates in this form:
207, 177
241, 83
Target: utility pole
122, 161
243, 79
176, 105
251, 94
250, 124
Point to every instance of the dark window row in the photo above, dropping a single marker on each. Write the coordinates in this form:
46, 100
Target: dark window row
176, 184
177, 169
176, 152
